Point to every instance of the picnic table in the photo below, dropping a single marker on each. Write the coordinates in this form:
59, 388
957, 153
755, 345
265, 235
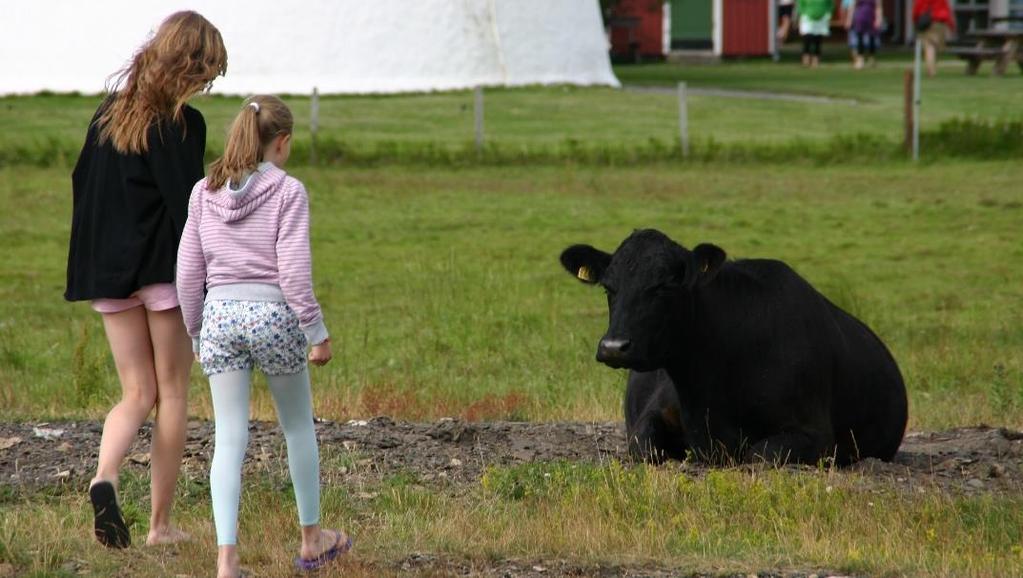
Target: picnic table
1001, 46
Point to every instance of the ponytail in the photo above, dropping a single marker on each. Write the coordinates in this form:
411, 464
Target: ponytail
261, 119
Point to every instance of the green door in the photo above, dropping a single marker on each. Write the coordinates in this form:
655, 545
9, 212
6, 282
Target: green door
691, 24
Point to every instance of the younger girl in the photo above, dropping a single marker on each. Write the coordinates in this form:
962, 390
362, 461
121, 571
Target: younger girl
246, 245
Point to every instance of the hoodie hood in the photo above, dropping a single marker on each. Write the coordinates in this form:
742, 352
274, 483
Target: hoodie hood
234, 202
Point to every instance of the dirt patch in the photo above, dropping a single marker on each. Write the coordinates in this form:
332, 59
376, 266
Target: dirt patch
447, 452
429, 566
451, 455
454, 453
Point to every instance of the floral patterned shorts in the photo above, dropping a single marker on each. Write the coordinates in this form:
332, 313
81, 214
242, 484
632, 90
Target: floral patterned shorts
248, 334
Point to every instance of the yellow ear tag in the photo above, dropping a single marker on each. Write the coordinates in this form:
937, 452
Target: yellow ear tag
584, 273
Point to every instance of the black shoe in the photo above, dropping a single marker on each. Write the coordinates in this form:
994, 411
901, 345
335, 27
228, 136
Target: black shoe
111, 531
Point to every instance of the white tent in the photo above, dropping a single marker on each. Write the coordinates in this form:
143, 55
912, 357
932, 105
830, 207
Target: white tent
338, 46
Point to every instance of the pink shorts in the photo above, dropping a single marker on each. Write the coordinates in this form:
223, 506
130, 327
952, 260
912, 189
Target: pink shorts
157, 297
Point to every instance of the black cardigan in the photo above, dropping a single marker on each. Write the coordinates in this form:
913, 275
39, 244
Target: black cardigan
130, 209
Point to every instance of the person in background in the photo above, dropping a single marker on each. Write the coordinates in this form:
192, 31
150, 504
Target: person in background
143, 152
863, 20
934, 23
845, 10
785, 9
246, 291
814, 26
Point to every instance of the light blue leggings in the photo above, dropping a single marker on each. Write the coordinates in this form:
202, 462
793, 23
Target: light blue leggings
293, 398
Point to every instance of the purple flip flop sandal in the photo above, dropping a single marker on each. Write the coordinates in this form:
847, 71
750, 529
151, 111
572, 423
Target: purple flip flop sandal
338, 549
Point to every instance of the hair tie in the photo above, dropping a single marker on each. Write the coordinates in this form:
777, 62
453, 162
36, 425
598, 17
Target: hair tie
255, 105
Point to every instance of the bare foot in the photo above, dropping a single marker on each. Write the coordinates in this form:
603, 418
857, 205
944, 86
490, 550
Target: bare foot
165, 536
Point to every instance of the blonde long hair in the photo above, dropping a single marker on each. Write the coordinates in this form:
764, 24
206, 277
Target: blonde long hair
261, 120
181, 59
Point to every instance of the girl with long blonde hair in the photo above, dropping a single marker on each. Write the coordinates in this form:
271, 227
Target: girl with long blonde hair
143, 152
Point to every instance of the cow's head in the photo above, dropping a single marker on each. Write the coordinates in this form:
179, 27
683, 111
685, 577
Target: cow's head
647, 281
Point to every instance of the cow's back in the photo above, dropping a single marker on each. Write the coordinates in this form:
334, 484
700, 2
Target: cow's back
867, 397
869, 406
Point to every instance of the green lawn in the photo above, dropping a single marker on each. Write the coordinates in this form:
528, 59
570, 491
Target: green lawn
537, 117
726, 522
443, 290
444, 296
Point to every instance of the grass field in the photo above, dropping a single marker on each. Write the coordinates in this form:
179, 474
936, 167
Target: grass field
444, 296
443, 290
559, 119
726, 522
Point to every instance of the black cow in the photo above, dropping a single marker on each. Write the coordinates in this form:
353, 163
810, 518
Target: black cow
739, 360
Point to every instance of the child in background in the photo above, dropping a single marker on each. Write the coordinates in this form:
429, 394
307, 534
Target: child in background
246, 245
814, 25
863, 20
142, 154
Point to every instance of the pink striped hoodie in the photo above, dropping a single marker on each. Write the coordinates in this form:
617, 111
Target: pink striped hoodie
249, 243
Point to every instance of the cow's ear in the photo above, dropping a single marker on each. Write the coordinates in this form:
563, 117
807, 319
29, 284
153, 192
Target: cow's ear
705, 264
585, 262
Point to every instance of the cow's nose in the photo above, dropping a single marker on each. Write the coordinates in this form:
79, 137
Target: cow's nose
610, 350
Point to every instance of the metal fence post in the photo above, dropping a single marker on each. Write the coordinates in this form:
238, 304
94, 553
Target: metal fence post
916, 103
314, 123
478, 109
683, 120
907, 111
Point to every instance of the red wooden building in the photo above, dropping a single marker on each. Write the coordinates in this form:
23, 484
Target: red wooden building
747, 27
654, 28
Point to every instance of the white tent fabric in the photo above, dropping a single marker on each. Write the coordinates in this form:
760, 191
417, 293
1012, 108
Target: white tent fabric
338, 46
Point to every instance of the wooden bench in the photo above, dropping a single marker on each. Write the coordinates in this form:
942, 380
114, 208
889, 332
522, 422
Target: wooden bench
975, 55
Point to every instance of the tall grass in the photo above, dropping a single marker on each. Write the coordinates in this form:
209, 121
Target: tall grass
790, 520
955, 138
725, 521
